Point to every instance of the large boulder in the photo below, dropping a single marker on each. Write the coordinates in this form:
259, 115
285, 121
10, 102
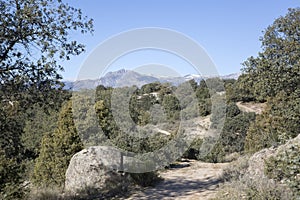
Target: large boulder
93, 170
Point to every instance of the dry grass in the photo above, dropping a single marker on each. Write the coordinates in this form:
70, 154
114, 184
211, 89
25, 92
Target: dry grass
240, 185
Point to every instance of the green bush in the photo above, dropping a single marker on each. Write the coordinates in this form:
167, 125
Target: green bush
277, 124
11, 181
194, 149
232, 137
285, 166
41, 122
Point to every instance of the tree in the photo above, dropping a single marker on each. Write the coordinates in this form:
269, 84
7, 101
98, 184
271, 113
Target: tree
35, 127
10, 178
277, 67
172, 107
233, 134
278, 123
203, 96
57, 150
34, 36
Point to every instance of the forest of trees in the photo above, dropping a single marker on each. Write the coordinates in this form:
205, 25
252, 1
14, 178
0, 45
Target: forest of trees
38, 133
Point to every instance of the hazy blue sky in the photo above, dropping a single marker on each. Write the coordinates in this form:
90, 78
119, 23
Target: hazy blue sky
228, 30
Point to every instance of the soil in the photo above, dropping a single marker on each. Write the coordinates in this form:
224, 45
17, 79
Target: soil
251, 107
185, 180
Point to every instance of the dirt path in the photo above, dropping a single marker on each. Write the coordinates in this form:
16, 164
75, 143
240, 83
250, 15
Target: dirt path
251, 107
191, 180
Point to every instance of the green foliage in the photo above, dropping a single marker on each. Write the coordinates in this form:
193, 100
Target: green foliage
151, 87
233, 135
234, 132
239, 185
240, 90
218, 111
215, 85
203, 96
285, 166
194, 149
11, 125
34, 39
11, 178
35, 127
106, 121
11, 167
277, 68
35, 35
57, 150
278, 123
232, 110
172, 107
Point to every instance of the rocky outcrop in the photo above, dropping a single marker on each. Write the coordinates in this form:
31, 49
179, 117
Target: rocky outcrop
94, 170
257, 160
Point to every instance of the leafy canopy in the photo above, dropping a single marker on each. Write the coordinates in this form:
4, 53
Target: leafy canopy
34, 37
277, 67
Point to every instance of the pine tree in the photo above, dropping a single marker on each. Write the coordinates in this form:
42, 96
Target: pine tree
57, 150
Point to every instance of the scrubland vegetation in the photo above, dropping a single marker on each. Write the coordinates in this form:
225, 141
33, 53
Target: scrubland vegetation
39, 135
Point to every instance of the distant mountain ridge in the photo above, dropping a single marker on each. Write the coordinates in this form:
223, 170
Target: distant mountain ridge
122, 78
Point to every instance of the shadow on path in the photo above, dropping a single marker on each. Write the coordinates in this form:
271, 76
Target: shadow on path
175, 189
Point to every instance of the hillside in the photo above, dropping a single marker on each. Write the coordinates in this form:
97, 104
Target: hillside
129, 135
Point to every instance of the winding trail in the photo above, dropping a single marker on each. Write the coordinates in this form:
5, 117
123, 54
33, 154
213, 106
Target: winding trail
191, 180
251, 107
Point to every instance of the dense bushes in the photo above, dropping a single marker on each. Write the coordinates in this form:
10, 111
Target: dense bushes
276, 68
278, 123
239, 185
194, 149
36, 126
285, 167
57, 149
11, 179
232, 137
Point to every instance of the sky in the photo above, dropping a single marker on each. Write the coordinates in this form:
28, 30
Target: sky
227, 30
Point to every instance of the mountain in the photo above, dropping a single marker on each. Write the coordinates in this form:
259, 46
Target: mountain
232, 76
122, 78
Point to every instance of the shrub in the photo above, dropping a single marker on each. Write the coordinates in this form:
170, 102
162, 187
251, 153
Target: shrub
278, 123
236, 169
285, 166
218, 111
194, 149
232, 137
11, 172
239, 185
41, 122
249, 188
